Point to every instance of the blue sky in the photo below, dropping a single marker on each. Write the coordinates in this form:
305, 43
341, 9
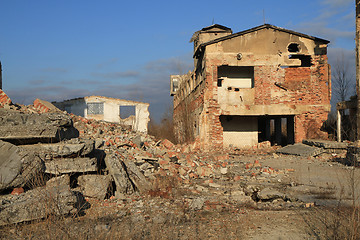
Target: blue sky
56, 50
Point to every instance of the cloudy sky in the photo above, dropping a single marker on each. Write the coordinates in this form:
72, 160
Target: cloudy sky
62, 49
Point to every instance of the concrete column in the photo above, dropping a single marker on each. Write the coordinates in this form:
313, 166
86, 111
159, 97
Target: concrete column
290, 130
278, 131
338, 125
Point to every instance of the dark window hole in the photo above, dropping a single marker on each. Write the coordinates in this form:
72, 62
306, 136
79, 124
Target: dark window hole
294, 47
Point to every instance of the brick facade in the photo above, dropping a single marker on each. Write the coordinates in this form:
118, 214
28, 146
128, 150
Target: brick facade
286, 85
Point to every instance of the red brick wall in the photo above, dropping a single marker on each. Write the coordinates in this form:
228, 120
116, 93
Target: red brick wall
307, 86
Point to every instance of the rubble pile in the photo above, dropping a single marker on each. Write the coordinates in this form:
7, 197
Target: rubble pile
51, 160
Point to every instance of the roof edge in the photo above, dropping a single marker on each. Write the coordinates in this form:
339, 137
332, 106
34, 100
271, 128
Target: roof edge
267, 26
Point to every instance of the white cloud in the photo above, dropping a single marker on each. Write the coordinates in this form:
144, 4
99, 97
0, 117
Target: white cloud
321, 29
334, 21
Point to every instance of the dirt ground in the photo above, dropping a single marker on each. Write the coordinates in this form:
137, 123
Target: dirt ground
316, 197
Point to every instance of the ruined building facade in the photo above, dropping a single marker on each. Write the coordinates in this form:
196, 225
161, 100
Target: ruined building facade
134, 115
263, 84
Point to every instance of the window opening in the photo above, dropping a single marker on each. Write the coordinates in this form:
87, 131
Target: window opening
294, 47
235, 77
127, 111
305, 59
276, 129
95, 108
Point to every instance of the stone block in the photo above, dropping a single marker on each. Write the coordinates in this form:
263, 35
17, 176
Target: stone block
37, 204
117, 170
94, 186
44, 106
17, 166
4, 99
71, 165
22, 128
62, 149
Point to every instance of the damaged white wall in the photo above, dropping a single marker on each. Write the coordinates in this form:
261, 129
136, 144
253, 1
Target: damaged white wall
109, 110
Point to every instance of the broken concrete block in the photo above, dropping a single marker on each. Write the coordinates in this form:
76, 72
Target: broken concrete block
94, 186
71, 165
10, 164
37, 204
21, 128
44, 106
4, 99
117, 170
140, 181
17, 166
62, 149
300, 149
167, 144
240, 197
63, 180
197, 203
270, 194
137, 140
326, 144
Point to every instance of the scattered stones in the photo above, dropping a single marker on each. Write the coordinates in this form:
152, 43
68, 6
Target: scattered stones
101, 157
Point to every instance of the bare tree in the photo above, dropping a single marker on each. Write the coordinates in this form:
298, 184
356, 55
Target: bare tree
342, 80
343, 87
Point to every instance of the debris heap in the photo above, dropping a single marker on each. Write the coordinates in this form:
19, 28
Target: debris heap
52, 162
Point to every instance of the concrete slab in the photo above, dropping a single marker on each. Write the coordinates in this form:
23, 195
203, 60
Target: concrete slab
326, 144
71, 165
300, 149
22, 128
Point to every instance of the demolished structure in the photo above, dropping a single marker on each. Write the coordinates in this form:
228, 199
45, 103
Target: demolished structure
262, 84
128, 113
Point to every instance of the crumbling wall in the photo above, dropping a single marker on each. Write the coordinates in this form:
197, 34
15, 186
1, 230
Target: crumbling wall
187, 112
291, 77
109, 110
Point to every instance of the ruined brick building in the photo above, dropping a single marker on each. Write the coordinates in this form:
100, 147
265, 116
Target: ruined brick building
265, 83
